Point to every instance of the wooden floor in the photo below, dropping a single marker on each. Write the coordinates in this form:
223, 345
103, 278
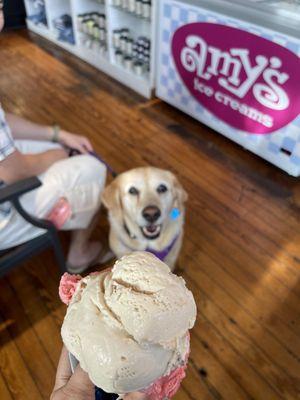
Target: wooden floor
241, 254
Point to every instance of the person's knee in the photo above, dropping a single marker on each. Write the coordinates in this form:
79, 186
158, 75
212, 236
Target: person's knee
76, 171
80, 179
92, 169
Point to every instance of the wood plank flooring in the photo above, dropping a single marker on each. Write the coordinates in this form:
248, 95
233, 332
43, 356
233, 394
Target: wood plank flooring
241, 253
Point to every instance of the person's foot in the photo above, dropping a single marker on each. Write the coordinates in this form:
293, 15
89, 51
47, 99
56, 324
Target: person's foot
106, 256
81, 259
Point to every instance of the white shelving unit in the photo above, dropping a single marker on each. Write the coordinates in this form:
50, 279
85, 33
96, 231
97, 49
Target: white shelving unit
116, 18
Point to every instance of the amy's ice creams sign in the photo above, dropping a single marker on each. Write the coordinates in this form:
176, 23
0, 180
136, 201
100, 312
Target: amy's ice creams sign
245, 80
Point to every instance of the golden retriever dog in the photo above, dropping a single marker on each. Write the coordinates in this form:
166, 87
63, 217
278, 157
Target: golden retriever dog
146, 212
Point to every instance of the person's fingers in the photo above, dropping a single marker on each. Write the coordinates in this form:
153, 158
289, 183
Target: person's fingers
87, 144
64, 371
82, 148
80, 143
136, 396
79, 146
81, 382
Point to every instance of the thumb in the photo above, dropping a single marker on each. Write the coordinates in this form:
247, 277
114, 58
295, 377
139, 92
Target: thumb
64, 372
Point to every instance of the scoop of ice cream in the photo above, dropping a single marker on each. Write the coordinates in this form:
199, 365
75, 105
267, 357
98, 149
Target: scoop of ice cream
67, 287
153, 304
129, 327
166, 386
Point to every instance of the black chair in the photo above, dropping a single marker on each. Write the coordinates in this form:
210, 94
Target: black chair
10, 258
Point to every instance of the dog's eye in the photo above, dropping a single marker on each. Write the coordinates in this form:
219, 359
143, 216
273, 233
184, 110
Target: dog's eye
133, 191
162, 189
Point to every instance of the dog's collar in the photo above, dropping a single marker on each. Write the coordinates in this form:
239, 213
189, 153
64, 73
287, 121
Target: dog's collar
160, 254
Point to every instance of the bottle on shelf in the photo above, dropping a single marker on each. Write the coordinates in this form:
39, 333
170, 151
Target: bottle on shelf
125, 4
128, 63
138, 68
93, 26
117, 3
131, 6
116, 38
139, 8
146, 9
119, 56
129, 46
133, 55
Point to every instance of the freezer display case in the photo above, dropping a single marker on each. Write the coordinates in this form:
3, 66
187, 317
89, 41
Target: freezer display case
235, 66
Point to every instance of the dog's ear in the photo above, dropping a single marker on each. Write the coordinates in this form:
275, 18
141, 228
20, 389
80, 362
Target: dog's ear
180, 194
111, 196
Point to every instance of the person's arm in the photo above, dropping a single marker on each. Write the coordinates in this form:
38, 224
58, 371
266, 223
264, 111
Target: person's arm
18, 166
23, 129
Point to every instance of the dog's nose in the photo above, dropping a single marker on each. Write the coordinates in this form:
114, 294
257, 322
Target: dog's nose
151, 213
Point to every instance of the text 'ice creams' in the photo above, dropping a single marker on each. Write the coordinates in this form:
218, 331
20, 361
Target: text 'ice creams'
128, 327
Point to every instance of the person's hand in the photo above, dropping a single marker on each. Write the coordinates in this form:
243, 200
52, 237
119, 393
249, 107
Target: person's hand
78, 386
70, 386
77, 142
136, 396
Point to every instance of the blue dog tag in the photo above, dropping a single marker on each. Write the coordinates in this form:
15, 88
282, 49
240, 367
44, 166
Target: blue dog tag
175, 213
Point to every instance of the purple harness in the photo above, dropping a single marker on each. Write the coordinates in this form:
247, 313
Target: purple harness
161, 255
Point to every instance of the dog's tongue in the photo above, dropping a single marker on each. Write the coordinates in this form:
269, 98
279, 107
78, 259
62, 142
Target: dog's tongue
151, 228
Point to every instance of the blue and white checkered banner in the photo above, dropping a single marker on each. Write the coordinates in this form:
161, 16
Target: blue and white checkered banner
247, 92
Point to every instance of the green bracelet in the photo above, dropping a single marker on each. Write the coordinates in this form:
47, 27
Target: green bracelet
56, 130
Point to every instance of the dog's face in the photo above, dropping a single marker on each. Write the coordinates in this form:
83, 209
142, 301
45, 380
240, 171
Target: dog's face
143, 199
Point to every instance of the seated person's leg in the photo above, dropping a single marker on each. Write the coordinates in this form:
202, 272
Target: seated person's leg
14, 230
80, 180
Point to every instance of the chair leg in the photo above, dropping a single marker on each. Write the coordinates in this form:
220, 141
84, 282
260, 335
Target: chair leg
58, 252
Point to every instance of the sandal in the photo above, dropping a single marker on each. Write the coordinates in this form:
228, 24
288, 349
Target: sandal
104, 256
